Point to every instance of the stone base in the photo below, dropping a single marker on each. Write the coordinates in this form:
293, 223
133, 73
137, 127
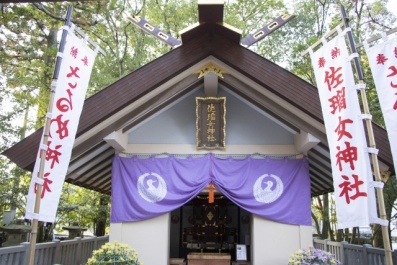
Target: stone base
174, 261
208, 259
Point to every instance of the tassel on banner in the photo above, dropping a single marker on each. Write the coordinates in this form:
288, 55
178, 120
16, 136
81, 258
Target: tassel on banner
211, 198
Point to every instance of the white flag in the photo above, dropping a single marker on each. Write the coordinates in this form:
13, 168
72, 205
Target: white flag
354, 194
383, 62
71, 87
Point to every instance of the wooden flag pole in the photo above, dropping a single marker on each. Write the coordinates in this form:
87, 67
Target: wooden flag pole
374, 156
38, 186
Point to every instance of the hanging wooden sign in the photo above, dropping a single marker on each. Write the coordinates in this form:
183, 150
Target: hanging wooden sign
210, 123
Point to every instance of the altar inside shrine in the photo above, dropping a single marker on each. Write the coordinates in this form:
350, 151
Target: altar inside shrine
208, 258
210, 227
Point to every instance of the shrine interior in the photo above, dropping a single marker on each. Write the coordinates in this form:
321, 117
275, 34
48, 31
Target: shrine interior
200, 226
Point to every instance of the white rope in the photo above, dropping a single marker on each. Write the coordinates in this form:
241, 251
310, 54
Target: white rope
352, 56
366, 116
379, 222
376, 184
361, 86
54, 84
37, 180
35, 216
372, 150
44, 147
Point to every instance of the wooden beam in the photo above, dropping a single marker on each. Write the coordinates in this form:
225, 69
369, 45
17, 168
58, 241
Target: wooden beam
266, 30
118, 140
210, 11
211, 85
305, 141
154, 31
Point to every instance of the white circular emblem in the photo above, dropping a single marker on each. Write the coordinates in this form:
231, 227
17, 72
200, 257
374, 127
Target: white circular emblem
267, 194
152, 187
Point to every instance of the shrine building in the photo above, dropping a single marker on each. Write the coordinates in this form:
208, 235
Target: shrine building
225, 149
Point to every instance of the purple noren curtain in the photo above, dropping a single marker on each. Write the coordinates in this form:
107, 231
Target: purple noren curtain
276, 189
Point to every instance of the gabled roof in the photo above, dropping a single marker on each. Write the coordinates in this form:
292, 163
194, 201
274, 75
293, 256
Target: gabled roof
137, 96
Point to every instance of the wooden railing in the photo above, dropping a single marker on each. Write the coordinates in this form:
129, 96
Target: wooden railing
350, 254
69, 252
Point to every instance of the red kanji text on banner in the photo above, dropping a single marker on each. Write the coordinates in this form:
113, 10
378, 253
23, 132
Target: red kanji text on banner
70, 91
353, 181
383, 62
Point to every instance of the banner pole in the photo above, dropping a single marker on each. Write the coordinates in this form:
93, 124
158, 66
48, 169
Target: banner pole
33, 233
374, 157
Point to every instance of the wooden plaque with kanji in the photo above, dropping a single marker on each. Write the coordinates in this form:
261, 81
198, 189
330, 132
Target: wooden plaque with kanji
210, 122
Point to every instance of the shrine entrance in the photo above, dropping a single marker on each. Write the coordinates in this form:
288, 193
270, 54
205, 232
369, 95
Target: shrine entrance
200, 226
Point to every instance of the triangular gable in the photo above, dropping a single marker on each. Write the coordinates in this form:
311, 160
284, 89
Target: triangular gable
245, 124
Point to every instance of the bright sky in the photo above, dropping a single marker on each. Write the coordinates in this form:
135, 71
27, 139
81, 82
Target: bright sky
392, 6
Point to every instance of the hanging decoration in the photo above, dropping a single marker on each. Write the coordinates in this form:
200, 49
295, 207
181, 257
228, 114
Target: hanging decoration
383, 62
353, 182
69, 95
210, 68
276, 189
211, 197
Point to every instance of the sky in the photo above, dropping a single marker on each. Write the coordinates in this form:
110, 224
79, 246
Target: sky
392, 6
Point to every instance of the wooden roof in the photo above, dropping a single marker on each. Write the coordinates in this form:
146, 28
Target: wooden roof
123, 104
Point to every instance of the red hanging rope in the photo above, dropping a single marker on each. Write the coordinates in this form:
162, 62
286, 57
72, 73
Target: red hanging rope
211, 198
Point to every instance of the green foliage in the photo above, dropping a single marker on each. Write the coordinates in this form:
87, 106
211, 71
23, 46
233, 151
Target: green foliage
14, 185
114, 253
249, 16
83, 206
28, 48
307, 28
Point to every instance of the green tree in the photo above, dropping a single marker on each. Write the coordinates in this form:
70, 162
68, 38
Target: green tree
89, 208
249, 16
310, 24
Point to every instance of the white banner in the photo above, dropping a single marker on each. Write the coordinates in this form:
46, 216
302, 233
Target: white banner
353, 190
383, 62
71, 87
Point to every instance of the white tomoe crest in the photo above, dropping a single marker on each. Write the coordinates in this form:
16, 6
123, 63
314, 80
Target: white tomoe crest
267, 194
152, 190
